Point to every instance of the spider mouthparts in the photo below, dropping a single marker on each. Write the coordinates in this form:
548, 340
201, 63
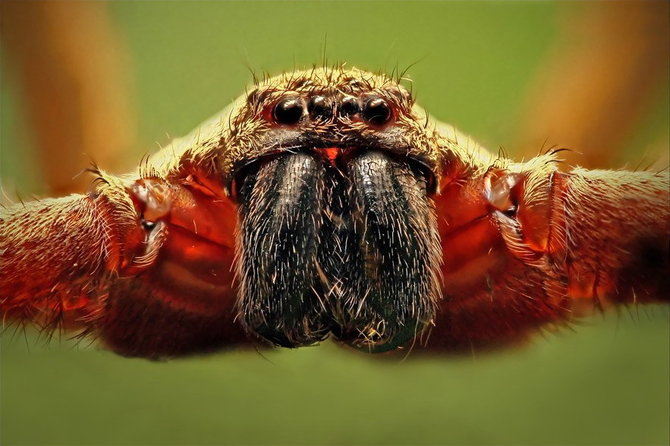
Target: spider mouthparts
352, 251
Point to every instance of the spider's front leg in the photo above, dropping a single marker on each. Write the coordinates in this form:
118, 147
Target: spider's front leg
144, 265
59, 256
527, 245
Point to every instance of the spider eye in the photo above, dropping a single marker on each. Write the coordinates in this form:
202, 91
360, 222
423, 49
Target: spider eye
348, 107
319, 108
377, 111
288, 111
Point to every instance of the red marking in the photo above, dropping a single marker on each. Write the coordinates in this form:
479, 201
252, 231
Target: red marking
331, 153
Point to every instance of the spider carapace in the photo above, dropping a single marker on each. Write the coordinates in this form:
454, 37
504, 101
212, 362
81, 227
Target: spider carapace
327, 203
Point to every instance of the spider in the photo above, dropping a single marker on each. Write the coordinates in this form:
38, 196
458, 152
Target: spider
326, 202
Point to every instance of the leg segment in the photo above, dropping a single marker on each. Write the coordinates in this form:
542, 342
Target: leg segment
58, 256
533, 247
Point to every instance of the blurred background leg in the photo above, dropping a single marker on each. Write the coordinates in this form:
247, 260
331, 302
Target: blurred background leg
71, 69
608, 67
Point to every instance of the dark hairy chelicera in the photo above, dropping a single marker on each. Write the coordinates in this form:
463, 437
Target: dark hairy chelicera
350, 248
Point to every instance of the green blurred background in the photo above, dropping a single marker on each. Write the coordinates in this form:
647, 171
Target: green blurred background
605, 383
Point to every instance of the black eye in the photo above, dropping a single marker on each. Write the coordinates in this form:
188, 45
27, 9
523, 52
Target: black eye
348, 107
288, 111
377, 111
319, 108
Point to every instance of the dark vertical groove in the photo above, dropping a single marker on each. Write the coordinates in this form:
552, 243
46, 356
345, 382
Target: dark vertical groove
339, 256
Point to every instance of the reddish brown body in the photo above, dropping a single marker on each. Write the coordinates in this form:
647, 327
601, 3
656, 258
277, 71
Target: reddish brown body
148, 263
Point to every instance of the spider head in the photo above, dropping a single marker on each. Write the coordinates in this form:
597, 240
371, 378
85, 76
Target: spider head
333, 171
